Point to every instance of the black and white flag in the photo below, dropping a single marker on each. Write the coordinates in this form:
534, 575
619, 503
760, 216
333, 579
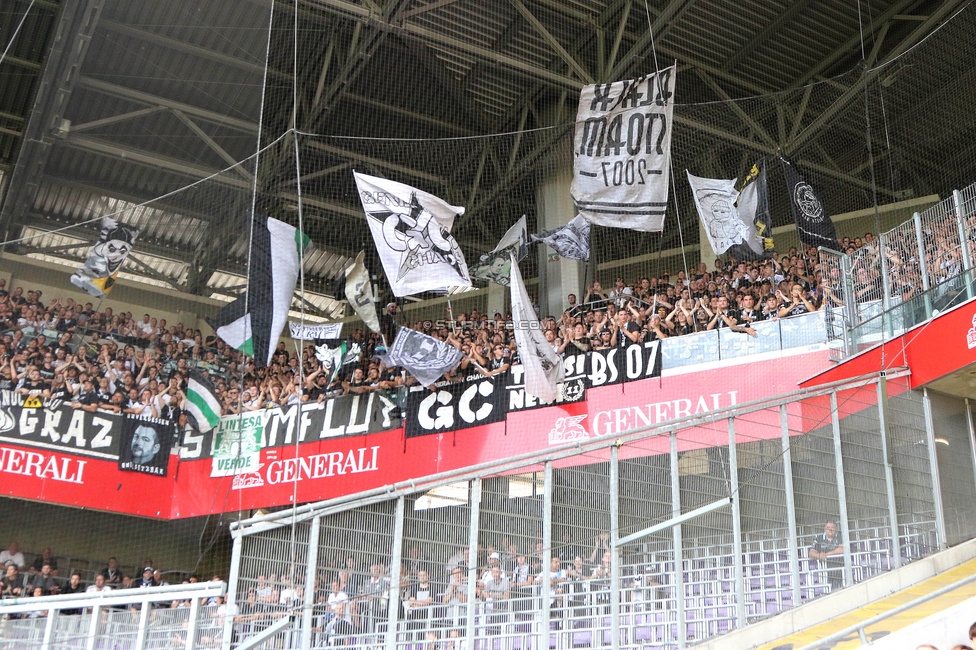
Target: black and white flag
571, 241
333, 358
98, 274
412, 232
542, 365
359, 293
715, 200
622, 152
753, 207
812, 222
424, 357
496, 264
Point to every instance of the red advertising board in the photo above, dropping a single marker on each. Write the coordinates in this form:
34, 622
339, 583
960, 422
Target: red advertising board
338, 466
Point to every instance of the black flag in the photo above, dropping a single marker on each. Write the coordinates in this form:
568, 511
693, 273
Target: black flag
753, 208
812, 223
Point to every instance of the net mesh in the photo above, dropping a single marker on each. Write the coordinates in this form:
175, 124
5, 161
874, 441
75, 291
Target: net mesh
878, 143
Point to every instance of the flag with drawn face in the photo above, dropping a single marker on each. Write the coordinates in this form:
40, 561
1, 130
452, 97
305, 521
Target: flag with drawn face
412, 232
715, 199
105, 259
571, 241
424, 357
496, 264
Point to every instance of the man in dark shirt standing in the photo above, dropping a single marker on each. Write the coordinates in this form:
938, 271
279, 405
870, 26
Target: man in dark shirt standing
828, 548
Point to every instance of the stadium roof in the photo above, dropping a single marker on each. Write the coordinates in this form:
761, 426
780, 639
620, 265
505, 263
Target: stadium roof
106, 104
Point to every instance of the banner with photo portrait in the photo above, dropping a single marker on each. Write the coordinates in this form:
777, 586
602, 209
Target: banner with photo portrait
145, 445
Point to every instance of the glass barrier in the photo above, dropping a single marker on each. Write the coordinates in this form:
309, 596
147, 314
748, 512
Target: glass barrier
771, 336
914, 311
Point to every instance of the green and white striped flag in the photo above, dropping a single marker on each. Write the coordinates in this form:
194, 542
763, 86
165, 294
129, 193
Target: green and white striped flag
201, 401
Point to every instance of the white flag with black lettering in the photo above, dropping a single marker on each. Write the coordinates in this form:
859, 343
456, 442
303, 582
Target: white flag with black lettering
622, 152
543, 366
424, 357
412, 232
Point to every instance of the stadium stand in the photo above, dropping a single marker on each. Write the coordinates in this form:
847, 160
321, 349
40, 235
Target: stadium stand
734, 439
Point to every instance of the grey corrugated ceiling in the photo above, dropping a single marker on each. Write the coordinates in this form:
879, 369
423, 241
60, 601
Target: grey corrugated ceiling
143, 97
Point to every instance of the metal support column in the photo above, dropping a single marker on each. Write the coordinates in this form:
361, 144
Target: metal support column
96, 614
143, 626
967, 258
547, 490
679, 578
311, 569
940, 524
887, 322
920, 237
52, 614
396, 561
740, 583
971, 427
884, 422
841, 490
790, 505
615, 548
475, 506
232, 578
191, 626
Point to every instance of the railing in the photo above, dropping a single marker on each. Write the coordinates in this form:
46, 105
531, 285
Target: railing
909, 275
131, 617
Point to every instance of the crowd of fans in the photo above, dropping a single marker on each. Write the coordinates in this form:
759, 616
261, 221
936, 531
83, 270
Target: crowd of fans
119, 362
42, 576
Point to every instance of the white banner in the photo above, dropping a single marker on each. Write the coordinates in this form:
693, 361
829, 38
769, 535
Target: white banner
412, 232
622, 152
311, 332
543, 366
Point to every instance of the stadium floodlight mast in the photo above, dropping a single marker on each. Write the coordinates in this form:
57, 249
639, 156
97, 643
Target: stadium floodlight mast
674, 521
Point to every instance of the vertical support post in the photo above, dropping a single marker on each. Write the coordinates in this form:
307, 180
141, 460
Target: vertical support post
884, 423
784, 426
887, 322
926, 285
940, 524
472, 566
841, 490
96, 614
232, 578
967, 258
311, 568
396, 561
850, 306
614, 548
191, 624
740, 583
547, 492
971, 427
679, 563
143, 625
49, 628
